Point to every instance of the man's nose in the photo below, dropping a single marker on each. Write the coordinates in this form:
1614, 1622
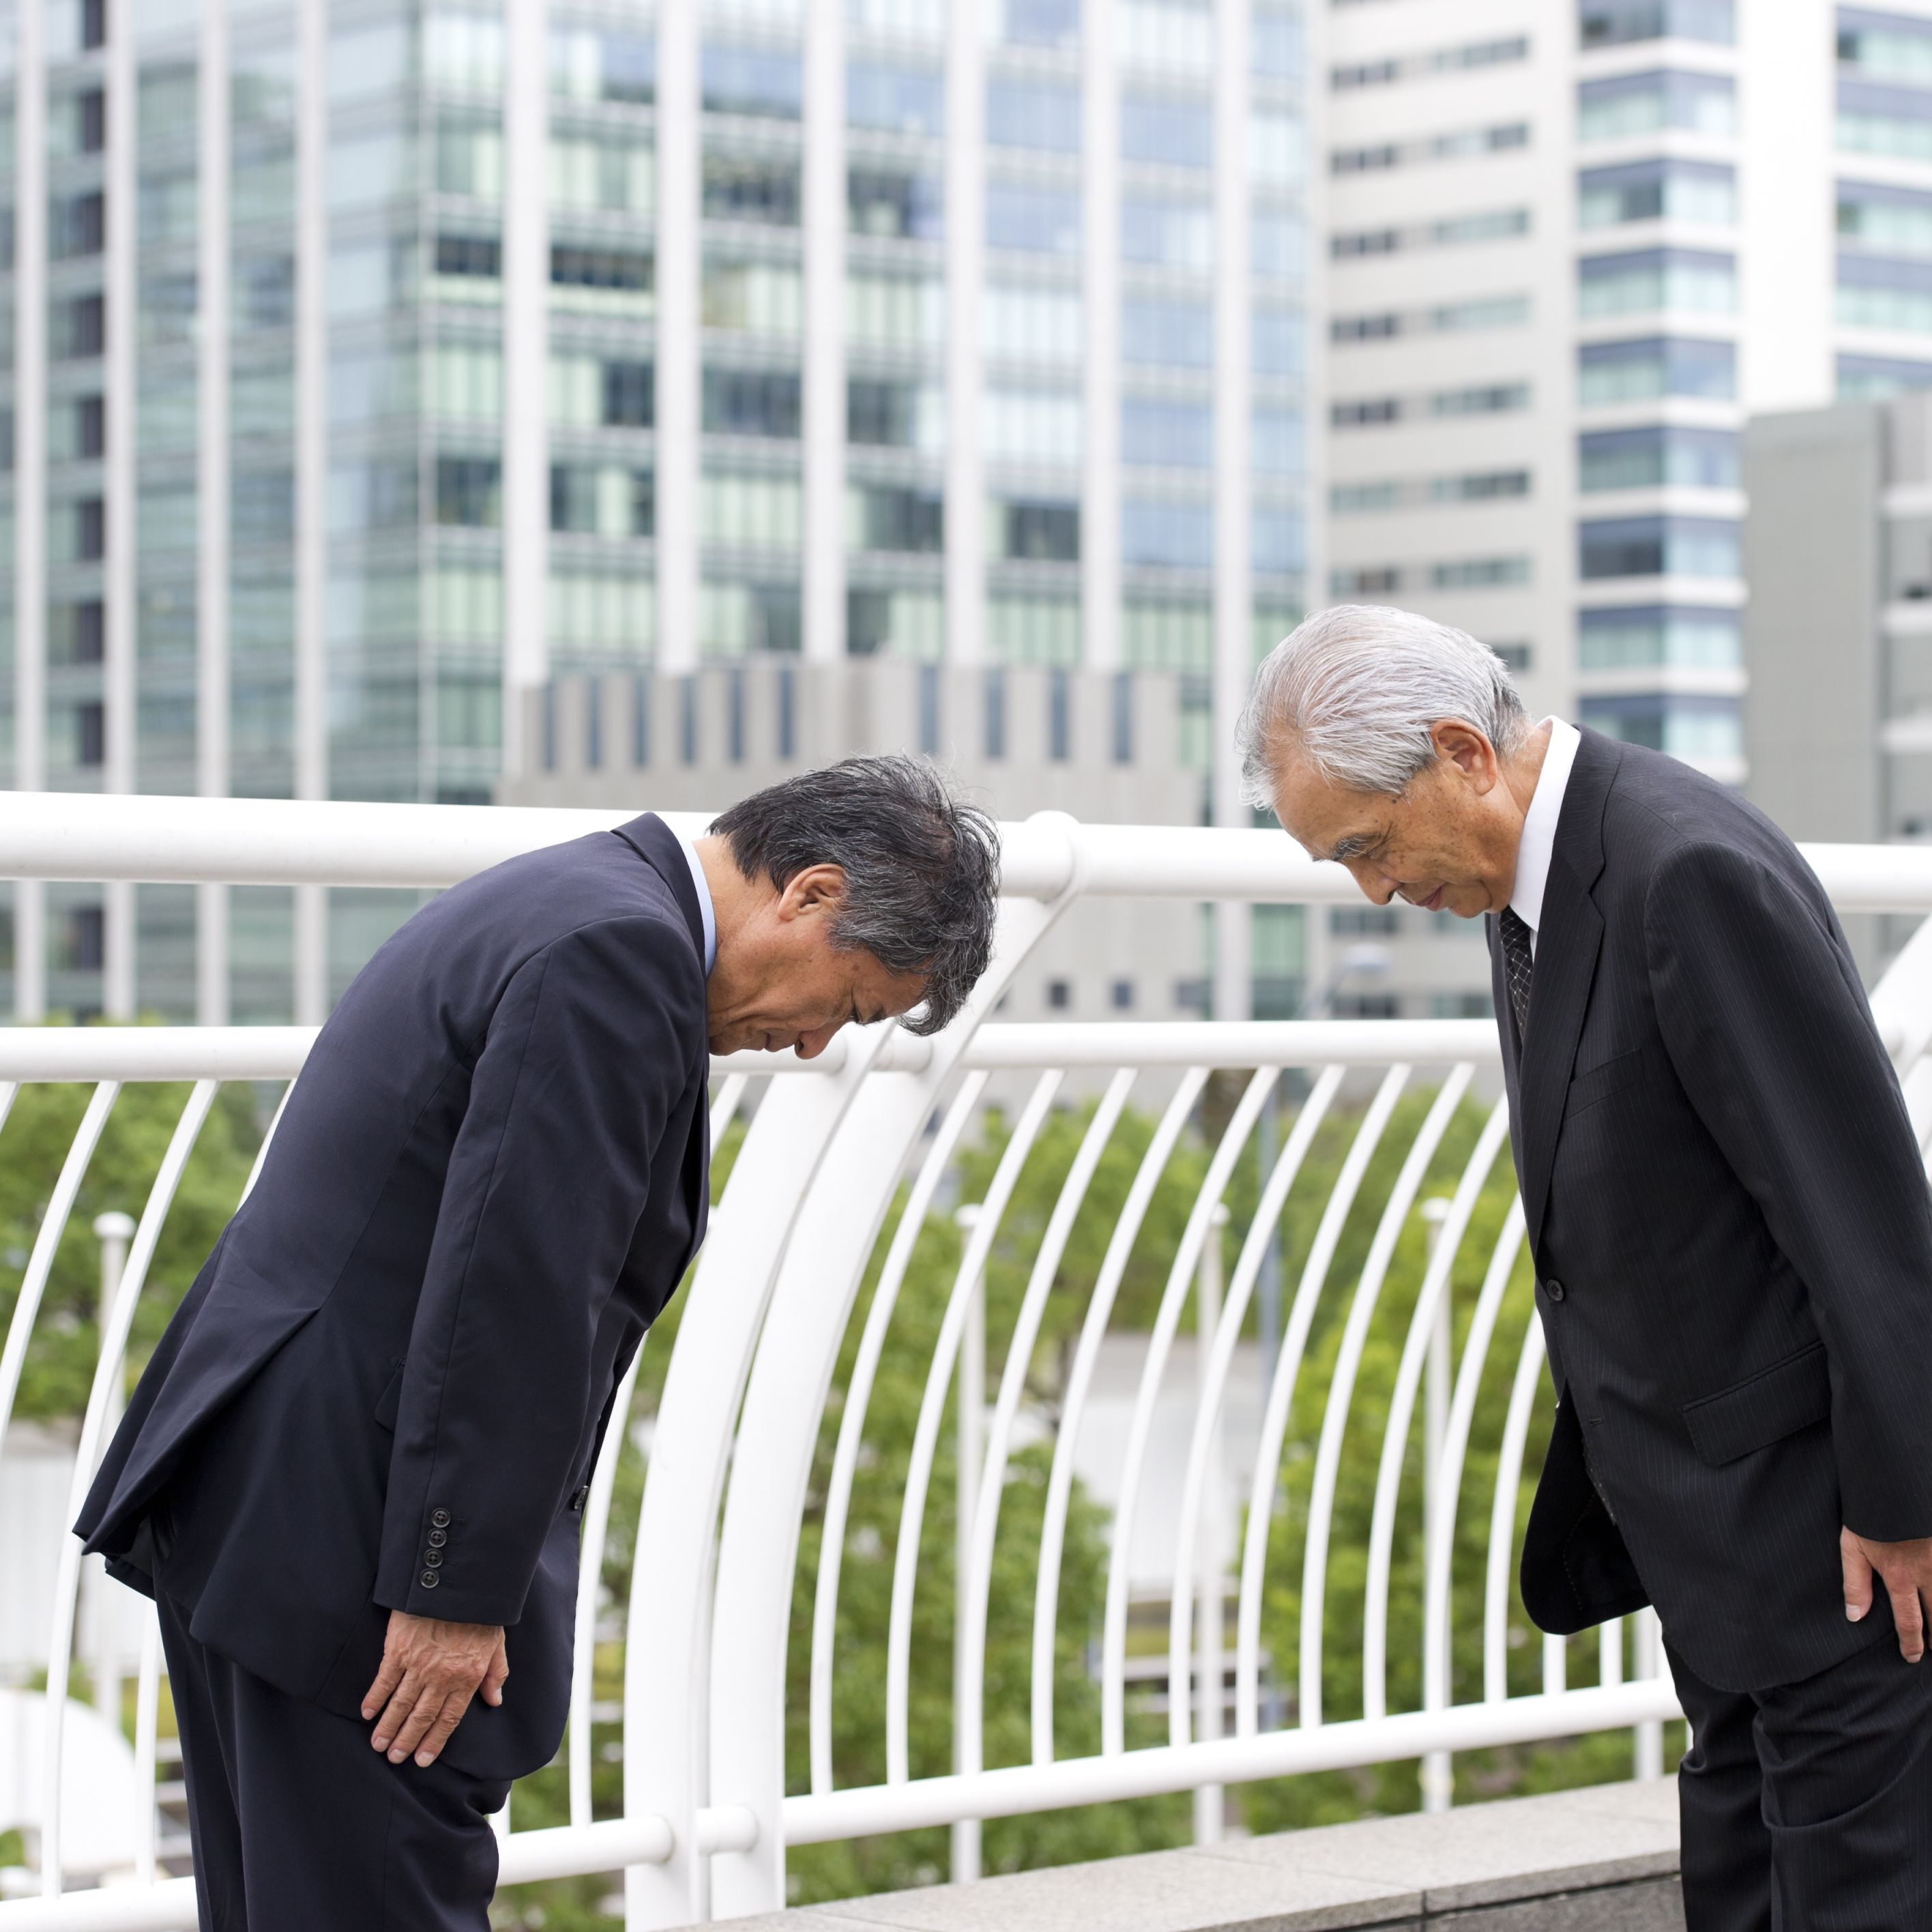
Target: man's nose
812, 1044
1374, 886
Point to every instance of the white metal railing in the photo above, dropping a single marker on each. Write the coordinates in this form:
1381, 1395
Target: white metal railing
747, 1411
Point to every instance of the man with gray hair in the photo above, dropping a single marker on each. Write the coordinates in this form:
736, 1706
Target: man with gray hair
1731, 1232
353, 1475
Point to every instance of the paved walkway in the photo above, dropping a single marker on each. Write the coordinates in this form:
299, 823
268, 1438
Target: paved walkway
1600, 1860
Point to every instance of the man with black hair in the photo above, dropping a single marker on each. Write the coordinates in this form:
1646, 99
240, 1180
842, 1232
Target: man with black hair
352, 1476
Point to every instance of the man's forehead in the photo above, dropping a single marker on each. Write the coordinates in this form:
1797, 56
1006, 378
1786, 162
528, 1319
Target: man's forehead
1317, 813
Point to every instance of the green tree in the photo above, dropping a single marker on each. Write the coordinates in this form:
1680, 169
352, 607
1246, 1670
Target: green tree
34, 1143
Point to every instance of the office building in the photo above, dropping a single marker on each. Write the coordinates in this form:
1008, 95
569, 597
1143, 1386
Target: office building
371, 361
1570, 250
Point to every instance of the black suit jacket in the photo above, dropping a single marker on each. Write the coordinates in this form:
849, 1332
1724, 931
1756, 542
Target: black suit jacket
387, 1387
1731, 1228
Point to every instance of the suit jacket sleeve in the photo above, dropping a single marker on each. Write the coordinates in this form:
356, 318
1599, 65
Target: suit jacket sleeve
588, 1052
1769, 1032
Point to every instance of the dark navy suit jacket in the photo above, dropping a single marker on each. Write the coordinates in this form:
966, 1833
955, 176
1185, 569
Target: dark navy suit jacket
1731, 1227
387, 1387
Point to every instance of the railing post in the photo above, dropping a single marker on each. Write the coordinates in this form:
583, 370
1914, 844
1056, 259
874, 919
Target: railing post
1209, 1669
113, 1230
1647, 1746
969, 1422
1438, 1775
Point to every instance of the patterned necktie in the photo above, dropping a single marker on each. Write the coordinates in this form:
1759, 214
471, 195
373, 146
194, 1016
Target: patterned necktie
1518, 963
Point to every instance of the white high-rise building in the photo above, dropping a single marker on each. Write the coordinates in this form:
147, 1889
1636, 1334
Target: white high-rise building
1570, 248
369, 360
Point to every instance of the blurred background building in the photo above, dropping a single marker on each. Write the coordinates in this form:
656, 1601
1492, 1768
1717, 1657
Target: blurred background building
371, 362
368, 364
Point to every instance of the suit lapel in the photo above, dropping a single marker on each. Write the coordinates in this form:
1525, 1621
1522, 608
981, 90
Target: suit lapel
1568, 939
656, 843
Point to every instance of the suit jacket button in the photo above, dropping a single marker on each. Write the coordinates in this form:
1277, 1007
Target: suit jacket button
437, 1538
1555, 1289
440, 1517
433, 1559
429, 1579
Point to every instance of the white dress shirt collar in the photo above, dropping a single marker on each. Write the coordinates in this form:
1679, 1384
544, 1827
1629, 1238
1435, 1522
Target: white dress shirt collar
1538, 845
704, 906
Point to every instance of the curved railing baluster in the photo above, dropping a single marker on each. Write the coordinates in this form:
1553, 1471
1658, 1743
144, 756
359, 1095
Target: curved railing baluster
268, 1141
1342, 1386
590, 1581
1281, 1391
1013, 1380
1402, 1408
1261, 1232
147, 1715
1197, 1232
46, 1240
1437, 1573
107, 1375
852, 1420
1502, 1509
926, 1433
1092, 1328
725, 1108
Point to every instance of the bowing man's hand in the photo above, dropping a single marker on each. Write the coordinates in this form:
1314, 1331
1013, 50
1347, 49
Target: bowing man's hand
1906, 1569
430, 1670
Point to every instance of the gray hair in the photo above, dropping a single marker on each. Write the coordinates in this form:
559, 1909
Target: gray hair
1356, 689
922, 867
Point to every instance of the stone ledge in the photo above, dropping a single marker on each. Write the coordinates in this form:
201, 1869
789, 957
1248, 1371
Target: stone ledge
1603, 1859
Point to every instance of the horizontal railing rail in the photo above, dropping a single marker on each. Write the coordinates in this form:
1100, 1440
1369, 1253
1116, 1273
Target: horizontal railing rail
860, 1387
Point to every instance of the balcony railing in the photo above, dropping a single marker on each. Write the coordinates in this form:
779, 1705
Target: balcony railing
1331, 1142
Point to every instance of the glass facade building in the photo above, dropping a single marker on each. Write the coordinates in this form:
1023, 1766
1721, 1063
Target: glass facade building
367, 364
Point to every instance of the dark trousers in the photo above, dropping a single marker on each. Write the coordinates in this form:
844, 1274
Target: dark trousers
299, 1826
1808, 1808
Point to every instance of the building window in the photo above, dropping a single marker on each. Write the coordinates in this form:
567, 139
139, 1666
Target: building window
1703, 192
736, 717
80, 328
1038, 532
1610, 23
1629, 104
1166, 435
1059, 716
77, 226
753, 81
895, 100
1653, 366
90, 426
84, 948
90, 529
1060, 994
903, 204
750, 187
479, 255
1516, 658
1876, 119
1032, 219
1124, 717
1883, 291
1167, 535
1033, 114
687, 721
1657, 278
468, 491
1687, 725
994, 699
629, 271
929, 709
1120, 996
1471, 1006
90, 734
93, 23
549, 727
751, 402
1629, 636
1655, 456
1658, 546
1875, 375
640, 719
630, 395
593, 724
787, 712
1366, 1006
895, 518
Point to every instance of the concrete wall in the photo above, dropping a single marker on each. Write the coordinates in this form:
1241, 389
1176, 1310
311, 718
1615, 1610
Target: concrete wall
1600, 1860
1813, 556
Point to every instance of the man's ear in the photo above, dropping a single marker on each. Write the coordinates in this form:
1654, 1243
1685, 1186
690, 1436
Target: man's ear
816, 891
1468, 750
